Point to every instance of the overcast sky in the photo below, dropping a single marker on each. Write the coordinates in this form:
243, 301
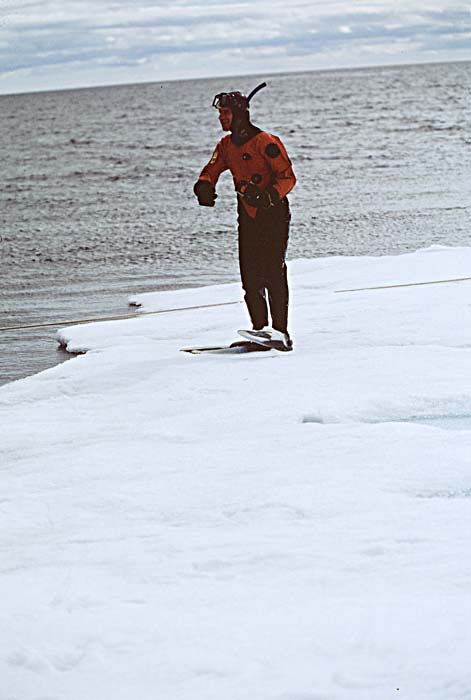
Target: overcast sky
47, 44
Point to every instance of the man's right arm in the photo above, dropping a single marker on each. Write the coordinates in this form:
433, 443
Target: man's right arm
205, 187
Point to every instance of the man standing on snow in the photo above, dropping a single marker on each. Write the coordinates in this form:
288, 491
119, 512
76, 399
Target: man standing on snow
263, 176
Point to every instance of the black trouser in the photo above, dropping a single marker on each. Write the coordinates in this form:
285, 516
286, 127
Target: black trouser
262, 249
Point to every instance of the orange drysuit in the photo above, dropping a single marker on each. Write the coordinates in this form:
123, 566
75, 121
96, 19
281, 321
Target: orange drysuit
262, 160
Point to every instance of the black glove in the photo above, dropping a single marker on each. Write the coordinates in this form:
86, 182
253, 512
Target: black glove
254, 196
205, 192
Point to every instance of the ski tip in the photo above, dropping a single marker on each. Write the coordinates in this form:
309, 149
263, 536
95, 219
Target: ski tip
238, 347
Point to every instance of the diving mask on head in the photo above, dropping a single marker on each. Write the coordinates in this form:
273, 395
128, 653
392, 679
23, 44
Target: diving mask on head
235, 101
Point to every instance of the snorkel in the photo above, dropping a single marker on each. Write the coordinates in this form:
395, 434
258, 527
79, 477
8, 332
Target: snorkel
255, 90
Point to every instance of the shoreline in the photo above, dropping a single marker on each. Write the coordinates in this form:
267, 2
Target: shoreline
37, 347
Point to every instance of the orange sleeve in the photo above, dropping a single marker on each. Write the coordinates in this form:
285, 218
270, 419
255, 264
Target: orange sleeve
217, 165
284, 178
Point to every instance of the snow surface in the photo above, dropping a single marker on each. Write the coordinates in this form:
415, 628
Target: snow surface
273, 526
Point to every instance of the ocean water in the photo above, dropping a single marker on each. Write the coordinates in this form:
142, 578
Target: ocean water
96, 190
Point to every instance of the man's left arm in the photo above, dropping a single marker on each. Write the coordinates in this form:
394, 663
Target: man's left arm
284, 178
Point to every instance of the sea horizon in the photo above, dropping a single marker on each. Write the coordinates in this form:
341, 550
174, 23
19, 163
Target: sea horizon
337, 69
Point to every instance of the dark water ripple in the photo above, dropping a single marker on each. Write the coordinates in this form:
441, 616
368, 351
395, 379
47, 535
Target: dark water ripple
96, 194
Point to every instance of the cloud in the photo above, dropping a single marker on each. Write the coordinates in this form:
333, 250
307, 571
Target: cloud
37, 37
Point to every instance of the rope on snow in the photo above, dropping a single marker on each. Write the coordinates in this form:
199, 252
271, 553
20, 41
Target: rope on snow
395, 286
208, 306
117, 318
